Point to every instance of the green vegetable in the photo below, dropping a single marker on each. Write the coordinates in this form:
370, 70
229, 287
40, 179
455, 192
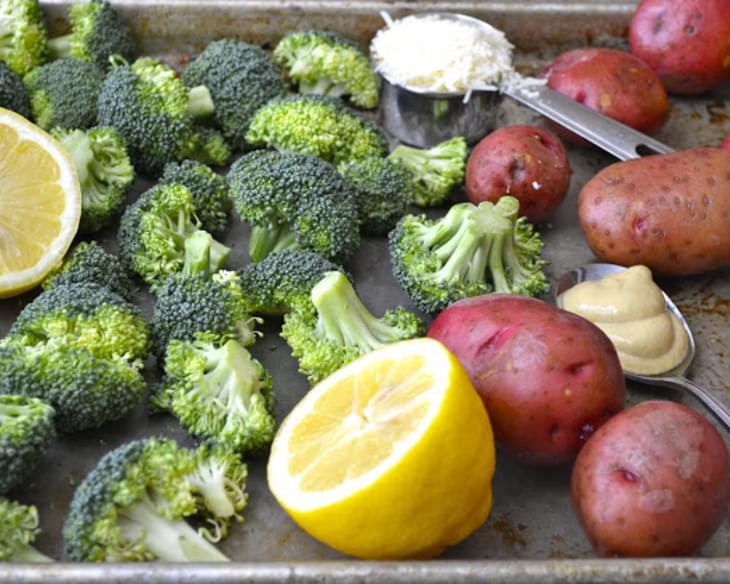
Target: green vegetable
336, 328
18, 530
26, 434
13, 95
316, 125
326, 63
22, 35
105, 173
241, 78
294, 201
436, 172
471, 251
64, 93
96, 34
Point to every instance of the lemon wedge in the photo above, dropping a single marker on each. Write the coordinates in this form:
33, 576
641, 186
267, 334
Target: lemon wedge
390, 457
40, 203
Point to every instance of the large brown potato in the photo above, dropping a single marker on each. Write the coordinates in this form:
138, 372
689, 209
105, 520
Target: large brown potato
687, 42
653, 481
617, 84
547, 377
669, 212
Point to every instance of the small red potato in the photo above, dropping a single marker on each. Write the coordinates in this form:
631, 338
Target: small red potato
527, 162
617, 84
653, 481
687, 42
669, 212
547, 377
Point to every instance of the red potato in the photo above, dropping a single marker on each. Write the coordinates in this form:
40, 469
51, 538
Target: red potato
547, 377
726, 143
687, 42
653, 481
527, 162
669, 212
617, 84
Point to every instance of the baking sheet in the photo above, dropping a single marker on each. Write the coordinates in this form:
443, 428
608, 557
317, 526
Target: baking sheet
532, 534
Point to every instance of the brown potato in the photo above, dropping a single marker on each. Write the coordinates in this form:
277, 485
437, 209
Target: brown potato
669, 212
653, 481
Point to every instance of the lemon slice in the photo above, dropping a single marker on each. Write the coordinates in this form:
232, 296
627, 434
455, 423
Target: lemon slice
40, 203
390, 457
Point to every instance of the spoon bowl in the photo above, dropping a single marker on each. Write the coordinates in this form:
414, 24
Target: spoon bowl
676, 377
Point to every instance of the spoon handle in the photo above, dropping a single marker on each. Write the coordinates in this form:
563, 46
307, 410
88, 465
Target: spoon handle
614, 137
716, 407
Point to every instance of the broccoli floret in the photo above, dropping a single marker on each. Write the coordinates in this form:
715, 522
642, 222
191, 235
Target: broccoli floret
153, 110
96, 34
316, 125
13, 95
86, 391
85, 316
241, 78
325, 63
211, 147
63, 94
337, 328
105, 173
88, 263
295, 201
219, 392
18, 530
132, 507
435, 172
283, 280
153, 232
22, 35
470, 251
188, 304
26, 434
209, 190
384, 192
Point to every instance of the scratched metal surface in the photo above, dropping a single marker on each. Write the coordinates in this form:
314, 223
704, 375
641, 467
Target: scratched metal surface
532, 534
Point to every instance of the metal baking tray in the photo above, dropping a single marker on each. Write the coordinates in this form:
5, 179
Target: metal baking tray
532, 534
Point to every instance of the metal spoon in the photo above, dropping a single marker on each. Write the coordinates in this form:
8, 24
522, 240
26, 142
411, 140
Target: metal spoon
675, 377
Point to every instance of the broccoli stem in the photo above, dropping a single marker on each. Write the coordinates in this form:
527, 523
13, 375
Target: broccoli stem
170, 540
200, 102
343, 318
323, 87
270, 239
12, 411
233, 376
28, 554
197, 253
60, 47
79, 146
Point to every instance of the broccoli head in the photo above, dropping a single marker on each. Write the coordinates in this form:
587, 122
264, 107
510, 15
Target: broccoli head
18, 530
218, 392
85, 316
154, 230
294, 201
240, 78
436, 172
316, 125
88, 263
134, 504
96, 34
384, 192
23, 35
336, 328
64, 93
13, 95
325, 63
210, 146
472, 250
26, 434
209, 190
104, 170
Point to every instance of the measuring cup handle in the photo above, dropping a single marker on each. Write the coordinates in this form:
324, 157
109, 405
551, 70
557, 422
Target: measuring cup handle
616, 138
716, 407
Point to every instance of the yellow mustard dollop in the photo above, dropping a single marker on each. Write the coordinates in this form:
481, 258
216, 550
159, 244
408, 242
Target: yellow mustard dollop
629, 307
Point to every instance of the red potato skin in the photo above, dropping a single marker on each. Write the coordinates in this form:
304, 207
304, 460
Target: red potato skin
547, 377
527, 162
653, 481
669, 212
617, 84
726, 143
687, 42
